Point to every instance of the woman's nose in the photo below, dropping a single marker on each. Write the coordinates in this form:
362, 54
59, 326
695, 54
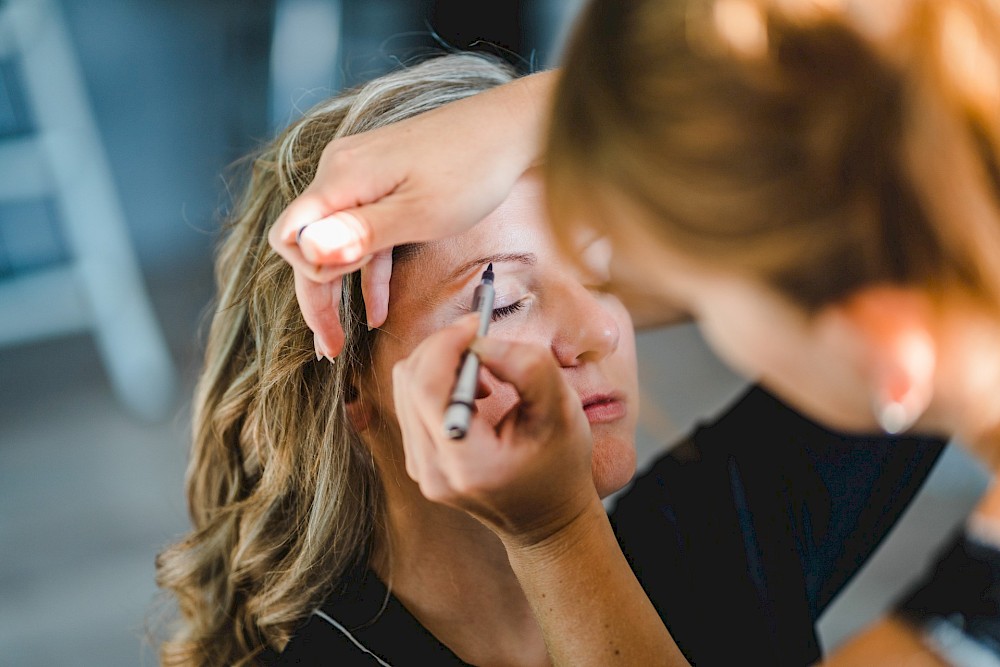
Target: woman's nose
587, 329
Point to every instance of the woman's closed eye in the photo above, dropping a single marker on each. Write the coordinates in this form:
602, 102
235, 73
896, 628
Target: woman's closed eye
505, 311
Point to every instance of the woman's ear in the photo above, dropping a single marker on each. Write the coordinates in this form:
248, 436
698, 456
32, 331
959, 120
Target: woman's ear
359, 413
892, 330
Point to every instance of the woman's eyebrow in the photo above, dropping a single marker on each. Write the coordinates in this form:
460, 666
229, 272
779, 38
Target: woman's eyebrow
526, 258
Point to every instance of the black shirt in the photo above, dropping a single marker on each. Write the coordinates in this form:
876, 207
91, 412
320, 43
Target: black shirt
359, 620
741, 536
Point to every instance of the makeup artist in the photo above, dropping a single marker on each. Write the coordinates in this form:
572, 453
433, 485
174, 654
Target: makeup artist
816, 184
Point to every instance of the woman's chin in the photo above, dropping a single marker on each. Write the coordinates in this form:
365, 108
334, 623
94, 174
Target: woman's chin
613, 466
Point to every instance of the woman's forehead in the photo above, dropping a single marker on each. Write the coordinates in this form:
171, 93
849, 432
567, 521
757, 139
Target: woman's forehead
513, 230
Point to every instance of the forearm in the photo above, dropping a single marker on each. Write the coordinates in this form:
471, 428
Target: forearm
588, 602
516, 114
529, 100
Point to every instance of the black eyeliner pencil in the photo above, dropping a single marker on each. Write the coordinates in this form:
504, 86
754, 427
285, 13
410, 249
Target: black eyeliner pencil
458, 416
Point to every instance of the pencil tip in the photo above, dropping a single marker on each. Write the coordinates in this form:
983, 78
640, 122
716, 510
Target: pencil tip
490, 267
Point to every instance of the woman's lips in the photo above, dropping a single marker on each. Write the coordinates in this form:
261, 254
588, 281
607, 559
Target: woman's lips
604, 408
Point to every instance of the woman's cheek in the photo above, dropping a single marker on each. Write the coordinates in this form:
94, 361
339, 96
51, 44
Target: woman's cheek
502, 398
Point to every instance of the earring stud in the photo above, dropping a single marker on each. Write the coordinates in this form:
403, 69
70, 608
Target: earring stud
894, 417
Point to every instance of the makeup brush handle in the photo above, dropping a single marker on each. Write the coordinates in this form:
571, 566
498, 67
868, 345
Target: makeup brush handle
457, 418
459, 413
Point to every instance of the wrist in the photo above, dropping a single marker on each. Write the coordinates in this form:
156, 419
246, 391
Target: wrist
532, 99
558, 535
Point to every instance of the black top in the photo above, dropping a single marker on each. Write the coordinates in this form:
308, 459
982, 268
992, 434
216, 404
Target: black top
362, 625
741, 536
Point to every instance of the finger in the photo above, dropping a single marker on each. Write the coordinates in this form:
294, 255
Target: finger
289, 252
531, 369
419, 445
328, 273
320, 306
412, 435
346, 235
319, 273
435, 363
375, 279
341, 238
436, 359
447, 472
307, 208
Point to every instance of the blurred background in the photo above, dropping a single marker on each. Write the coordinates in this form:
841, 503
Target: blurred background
118, 122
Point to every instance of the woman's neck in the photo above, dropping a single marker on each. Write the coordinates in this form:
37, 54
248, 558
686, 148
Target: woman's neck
453, 575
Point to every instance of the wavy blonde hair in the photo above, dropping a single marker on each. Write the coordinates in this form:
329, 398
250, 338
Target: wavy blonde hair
282, 493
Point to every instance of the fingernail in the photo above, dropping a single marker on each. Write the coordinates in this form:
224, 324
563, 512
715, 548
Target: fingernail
332, 360
316, 346
339, 234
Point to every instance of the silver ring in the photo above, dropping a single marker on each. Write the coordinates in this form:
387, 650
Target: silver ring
298, 234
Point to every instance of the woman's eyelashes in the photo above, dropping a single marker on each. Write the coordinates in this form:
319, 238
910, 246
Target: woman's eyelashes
506, 311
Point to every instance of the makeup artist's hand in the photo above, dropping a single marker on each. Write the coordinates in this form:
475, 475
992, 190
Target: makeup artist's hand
419, 179
526, 477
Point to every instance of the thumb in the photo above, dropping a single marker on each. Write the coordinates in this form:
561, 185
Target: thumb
533, 372
348, 235
341, 238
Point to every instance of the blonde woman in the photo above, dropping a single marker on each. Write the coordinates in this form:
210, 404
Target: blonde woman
312, 544
306, 525
815, 183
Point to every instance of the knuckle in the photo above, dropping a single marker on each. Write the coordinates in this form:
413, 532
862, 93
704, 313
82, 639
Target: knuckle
419, 207
337, 152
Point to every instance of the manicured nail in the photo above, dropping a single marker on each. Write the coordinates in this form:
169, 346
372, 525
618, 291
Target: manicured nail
339, 234
316, 346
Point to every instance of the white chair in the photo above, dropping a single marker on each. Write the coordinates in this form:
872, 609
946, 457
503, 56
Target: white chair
100, 288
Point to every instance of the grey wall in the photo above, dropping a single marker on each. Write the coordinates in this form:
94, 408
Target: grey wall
179, 90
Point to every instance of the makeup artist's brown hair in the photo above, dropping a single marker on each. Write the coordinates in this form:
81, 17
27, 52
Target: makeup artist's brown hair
283, 495
817, 146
